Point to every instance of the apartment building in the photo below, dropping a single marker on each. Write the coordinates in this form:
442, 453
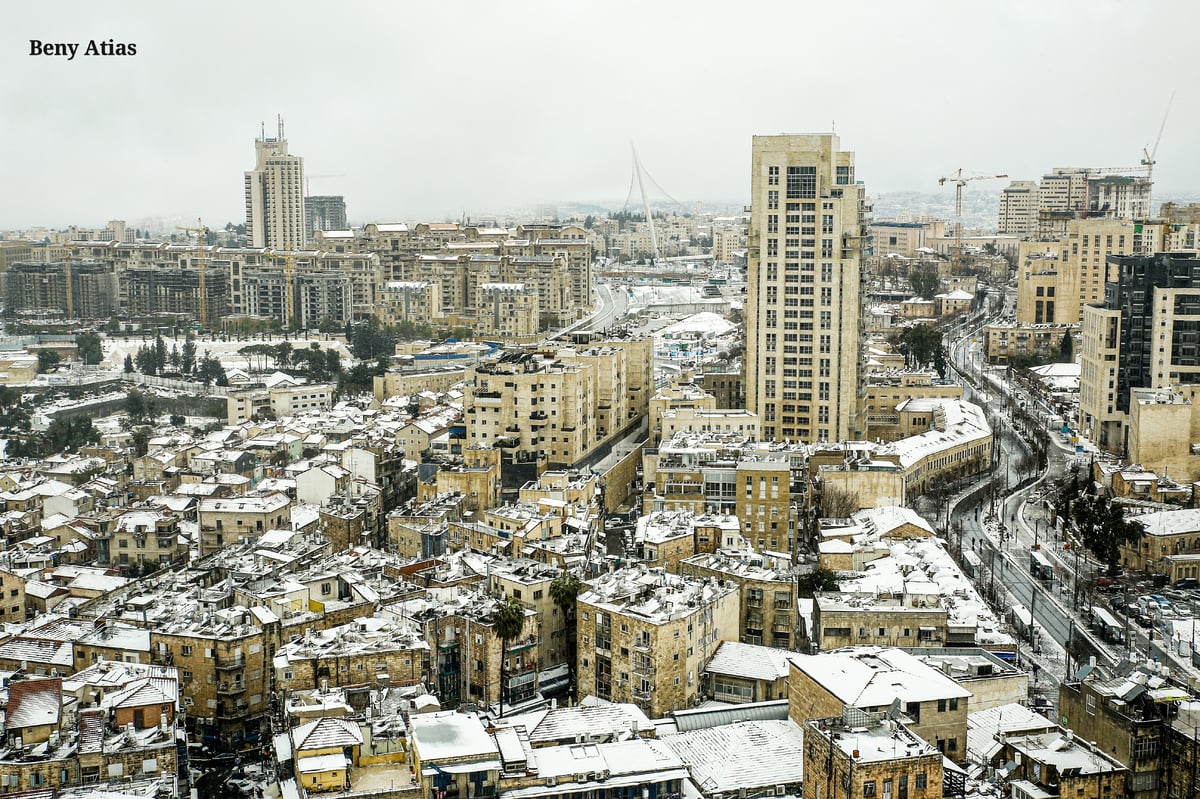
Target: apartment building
803, 305
506, 310
557, 406
285, 399
859, 755
1056, 279
528, 582
1121, 720
767, 586
1156, 439
871, 679
42, 288
644, 636
312, 285
275, 195
469, 661
145, 539
228, 521
1019, 208
415, 301
323, 212
1143, 336
371, 651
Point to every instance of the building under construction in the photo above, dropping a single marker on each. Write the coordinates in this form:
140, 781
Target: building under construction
151, 290
42, 288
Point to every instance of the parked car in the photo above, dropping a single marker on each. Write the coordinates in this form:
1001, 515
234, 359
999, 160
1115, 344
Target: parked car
1187, 582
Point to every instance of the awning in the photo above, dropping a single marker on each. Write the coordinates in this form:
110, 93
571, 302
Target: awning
462, 768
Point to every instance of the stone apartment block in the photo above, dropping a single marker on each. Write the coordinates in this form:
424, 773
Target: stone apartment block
806, 245
860, 755
869, 679
245, 281
556, 407
1118, 715
767, 589
12, 596
886, 391
417, 301
841, 620
644, 636
1056, 279
528, 582
142, 539
469, 663
370, 651
1061, 762
1154, 440
277, 402
228, 521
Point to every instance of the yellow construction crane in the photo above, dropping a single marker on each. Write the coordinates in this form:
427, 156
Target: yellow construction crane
201, 240
70, 290
288, 289
959, 180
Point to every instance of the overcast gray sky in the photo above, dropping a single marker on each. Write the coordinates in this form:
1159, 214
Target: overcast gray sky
435, 108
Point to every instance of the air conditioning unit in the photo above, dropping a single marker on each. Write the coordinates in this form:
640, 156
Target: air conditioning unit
780, 790
551, 782
605, 774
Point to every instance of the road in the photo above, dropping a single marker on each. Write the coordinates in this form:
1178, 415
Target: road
612, 305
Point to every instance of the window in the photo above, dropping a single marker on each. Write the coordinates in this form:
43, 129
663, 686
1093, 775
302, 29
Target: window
801, 182
185, 650
921, 781
868, 788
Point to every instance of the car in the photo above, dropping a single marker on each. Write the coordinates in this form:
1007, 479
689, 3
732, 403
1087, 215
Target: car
1187, 582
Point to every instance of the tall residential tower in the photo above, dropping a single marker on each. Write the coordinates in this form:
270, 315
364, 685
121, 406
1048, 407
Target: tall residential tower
807, 241
275, 195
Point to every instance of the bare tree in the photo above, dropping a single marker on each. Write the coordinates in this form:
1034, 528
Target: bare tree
837, 503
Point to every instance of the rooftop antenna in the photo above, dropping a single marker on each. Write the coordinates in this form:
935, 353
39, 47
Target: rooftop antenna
281, 127
262, 133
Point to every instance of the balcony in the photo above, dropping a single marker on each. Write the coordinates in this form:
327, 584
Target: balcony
754, 602
231, 688
230, 663
641, 645
521, 645
642, 696
783, 604
644, 669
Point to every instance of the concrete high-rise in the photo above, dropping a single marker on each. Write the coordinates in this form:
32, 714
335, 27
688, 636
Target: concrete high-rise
324, 212
807, 241
1144, 335
275, 195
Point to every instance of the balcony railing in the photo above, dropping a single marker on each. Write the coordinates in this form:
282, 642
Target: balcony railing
521, 645
231, 662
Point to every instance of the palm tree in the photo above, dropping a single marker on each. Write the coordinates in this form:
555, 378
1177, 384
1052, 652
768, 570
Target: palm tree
564, 590
508, 619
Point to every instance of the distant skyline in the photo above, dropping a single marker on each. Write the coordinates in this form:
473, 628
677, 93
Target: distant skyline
435, 110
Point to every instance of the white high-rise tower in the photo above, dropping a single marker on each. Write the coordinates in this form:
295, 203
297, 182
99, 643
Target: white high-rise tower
275, 195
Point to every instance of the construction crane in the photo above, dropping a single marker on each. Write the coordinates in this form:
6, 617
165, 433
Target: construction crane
289, 320
70, 290
309, 178
959, 180
202, 240
1148, 156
